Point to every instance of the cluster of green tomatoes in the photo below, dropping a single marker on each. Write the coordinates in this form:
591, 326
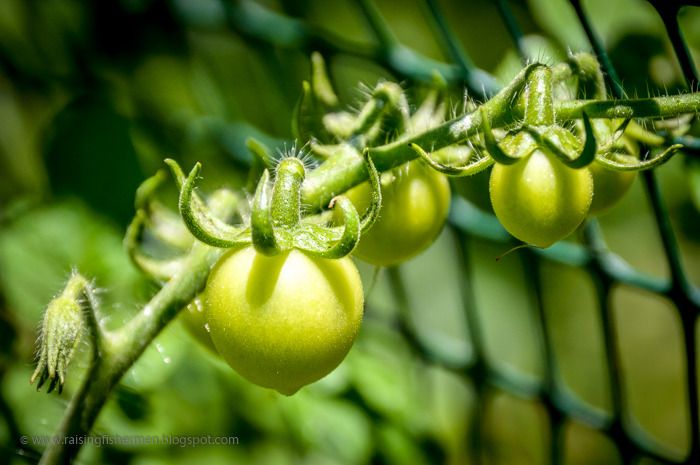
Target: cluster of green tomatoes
285, 320
284, 303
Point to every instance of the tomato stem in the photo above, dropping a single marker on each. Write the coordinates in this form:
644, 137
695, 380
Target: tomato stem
333, 177
528, 96
120, 349
285, 206
262, 232
539, 101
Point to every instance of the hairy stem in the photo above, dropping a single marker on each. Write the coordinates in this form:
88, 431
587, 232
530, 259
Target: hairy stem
657, 107
122, 348
335, 176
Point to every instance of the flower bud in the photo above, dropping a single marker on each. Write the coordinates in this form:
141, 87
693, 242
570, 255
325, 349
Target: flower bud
61, 330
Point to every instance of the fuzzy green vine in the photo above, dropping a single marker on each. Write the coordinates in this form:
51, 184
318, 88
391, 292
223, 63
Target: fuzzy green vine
349, 149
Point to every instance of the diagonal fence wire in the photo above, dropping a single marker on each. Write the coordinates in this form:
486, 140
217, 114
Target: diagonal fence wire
681, 292
606, 271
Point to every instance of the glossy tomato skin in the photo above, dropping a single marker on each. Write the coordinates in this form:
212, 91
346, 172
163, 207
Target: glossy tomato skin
285, 321
196, 324
415, 203
538, 199
609, 186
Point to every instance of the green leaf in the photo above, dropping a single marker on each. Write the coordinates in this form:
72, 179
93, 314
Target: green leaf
38, 251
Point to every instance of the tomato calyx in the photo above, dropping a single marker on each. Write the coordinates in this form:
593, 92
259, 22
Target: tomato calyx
539, 130
154, 223
540, 188
276, 224
618, 150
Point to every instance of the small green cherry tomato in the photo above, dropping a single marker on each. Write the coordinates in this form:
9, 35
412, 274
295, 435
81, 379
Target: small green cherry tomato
196, 324
415, 203
284, 321
538, 199
609, 185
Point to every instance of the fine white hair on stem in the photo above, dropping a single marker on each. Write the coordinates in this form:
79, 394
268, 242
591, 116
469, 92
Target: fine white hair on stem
301, 153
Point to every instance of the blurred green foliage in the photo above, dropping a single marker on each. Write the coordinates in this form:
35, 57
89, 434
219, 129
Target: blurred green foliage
93, 95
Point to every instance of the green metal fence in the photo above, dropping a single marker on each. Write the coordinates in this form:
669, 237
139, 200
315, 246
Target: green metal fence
470, 227
606, 270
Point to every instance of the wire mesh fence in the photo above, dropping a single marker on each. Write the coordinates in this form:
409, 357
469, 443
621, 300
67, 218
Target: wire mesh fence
606, 271
600, 263
473, 233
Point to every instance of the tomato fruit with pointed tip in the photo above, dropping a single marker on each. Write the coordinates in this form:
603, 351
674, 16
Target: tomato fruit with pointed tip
539, 199
283, 321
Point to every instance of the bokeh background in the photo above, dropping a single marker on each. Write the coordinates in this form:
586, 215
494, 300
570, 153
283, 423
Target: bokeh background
93, 95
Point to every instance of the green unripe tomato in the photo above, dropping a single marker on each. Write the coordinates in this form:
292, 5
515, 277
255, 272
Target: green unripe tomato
609, 186
196, 324
538, 199
415, 203
285, 321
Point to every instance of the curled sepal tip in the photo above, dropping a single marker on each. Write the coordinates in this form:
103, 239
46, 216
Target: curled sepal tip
158, 269
590, 146
317, 100
260, 152
147, 189
375, 202
164, 224
386, 98
620, 129
320, 82
63, 326
199, 220
177, 172
320, 244
476, 166
495, 151
262, 159
339, 241
587, 154
261, 228
637, 165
